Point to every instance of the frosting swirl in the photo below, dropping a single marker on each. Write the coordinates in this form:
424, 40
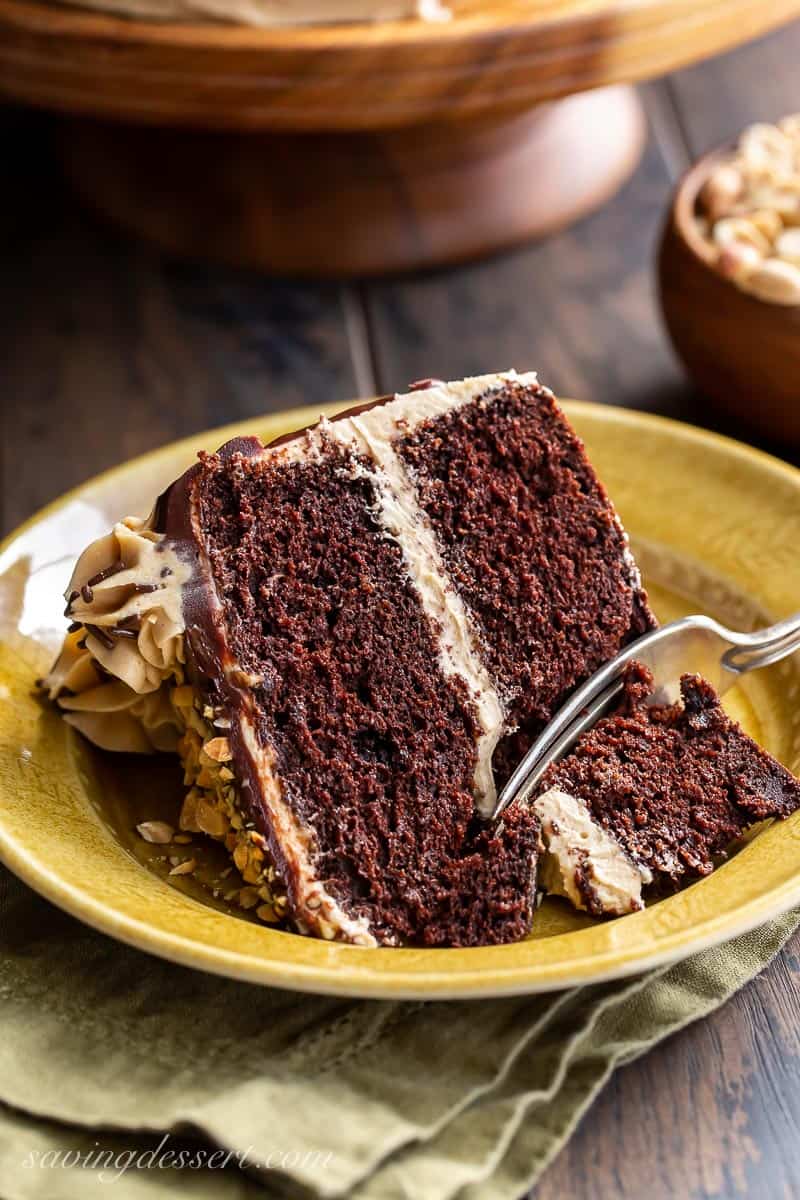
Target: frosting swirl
126, 646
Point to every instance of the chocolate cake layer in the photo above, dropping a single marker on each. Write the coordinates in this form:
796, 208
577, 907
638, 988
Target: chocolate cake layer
672, 787
532, 543
374, 748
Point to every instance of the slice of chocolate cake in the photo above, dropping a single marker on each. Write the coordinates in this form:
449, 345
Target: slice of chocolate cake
653, 795
348, 635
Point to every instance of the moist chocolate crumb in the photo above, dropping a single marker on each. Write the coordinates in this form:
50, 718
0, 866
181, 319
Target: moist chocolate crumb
532, 543
675, 785
375, 747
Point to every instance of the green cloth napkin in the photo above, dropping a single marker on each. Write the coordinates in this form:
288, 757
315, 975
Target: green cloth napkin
107, 1051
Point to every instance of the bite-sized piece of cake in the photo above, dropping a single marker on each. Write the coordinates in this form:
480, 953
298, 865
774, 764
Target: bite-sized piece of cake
375, 616
653, 795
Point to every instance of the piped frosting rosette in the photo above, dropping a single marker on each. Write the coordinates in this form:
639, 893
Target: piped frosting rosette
125, 647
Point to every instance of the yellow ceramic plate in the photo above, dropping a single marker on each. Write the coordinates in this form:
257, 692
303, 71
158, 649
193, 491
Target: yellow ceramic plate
716, 527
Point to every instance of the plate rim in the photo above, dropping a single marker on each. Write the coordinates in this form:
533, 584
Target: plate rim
356, 979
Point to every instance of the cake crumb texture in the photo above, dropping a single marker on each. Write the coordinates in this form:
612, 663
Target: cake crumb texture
375, 748
531, 541
675, 785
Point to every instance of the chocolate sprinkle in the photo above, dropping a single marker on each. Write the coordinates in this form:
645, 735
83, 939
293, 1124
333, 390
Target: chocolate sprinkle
87, 594
165, 571
143, 588
102, 636
131, 622
75, 626
106, 573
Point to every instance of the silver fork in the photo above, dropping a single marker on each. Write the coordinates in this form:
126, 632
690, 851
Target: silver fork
699, 645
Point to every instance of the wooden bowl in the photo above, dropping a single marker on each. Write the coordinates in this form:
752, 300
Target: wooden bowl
743, 353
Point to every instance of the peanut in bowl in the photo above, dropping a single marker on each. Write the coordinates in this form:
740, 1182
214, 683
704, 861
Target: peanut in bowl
729, 278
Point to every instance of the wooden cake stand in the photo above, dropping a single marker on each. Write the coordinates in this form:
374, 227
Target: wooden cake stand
356, 149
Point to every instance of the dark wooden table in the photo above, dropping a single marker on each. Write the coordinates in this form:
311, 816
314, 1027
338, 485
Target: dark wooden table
106, 350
